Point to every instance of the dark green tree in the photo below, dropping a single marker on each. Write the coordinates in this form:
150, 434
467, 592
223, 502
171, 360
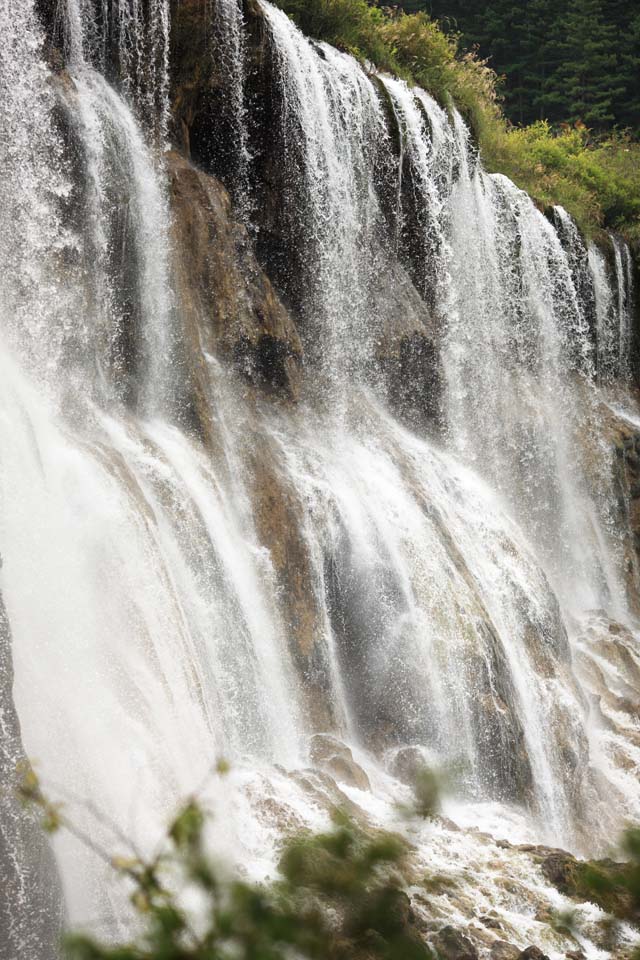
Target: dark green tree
626, 104
563, 60
586, 84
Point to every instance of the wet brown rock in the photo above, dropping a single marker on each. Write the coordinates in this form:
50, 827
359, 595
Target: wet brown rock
407, 351
279, 521
51, 18
602, 882
407, 764
323, 790
228, 306
481, 937
278, 814
336, 758
557, 867
450, 944
503, 950
532, 953
623, 468
194, 76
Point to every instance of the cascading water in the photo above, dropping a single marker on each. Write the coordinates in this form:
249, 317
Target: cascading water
229, 57
128, 38
523, 433
332, 126
624, 286
463, 593
425, 177
614, 305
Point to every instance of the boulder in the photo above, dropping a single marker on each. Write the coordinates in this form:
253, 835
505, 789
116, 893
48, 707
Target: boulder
333, 756
227, 304
503, 950
602, 882
407, 763
451, 944
532, 953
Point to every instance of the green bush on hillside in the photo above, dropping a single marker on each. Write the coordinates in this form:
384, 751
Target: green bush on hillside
596, 179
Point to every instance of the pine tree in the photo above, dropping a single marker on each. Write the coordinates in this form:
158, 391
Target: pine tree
563, 60
587, 82
626, 105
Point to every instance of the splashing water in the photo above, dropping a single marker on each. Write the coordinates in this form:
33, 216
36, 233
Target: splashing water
331, 123
229, 55
130, 38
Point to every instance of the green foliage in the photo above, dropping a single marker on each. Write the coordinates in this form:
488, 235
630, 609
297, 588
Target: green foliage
423, 50
563, 59
585, 85
352, 25
596, 179
614, 886
30, 794
340, 895
427, 790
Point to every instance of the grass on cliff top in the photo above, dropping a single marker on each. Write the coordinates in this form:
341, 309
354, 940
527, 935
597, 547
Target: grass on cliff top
596, 179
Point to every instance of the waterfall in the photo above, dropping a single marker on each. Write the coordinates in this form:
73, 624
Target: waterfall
624, 289
128, 221
424, 187
614, 309
457, 583
607, 331
131, 39
332, 127
427, 630
515, 332
229, 57
38, 311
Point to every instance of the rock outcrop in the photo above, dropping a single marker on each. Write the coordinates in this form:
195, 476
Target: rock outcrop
404, 359
278, 518
450, 944
603, 882
228, 307
330, 754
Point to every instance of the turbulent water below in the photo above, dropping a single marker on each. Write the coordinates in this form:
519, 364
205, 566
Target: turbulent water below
386, 496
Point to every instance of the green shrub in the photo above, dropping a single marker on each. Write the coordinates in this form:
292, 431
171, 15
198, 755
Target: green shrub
352, 25
596, 180
339, 897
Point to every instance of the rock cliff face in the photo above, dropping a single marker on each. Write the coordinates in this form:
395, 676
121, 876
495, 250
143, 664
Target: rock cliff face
228, 305
405, 358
